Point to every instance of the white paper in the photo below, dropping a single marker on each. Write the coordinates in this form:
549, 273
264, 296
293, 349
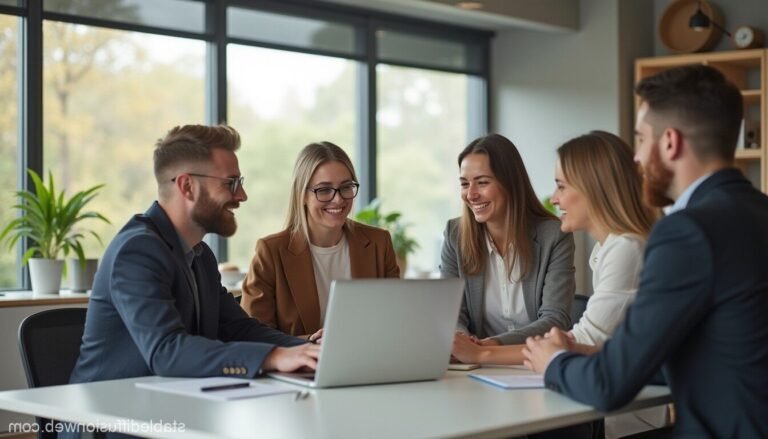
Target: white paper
512, 381
193, 387
463, 366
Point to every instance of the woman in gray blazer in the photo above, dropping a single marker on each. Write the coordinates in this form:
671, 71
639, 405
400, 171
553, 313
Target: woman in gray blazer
516, 263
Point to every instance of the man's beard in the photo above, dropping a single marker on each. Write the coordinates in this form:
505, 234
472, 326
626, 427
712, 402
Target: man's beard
656, 181
212, 217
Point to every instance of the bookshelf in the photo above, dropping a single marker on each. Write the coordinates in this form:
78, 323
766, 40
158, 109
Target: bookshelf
747, 70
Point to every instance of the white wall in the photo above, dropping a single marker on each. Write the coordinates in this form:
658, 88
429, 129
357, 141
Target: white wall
549, 87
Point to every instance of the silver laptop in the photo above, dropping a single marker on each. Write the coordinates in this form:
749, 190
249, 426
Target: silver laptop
385, 331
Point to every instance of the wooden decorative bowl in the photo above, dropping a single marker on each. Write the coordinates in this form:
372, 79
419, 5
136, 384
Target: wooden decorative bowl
678, 37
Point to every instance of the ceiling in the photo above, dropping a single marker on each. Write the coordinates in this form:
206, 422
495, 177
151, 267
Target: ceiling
549, 15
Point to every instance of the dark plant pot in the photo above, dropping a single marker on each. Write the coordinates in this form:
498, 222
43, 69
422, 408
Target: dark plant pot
80, 277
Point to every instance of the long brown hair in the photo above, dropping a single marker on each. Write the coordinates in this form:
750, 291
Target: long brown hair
601, 167
523, 208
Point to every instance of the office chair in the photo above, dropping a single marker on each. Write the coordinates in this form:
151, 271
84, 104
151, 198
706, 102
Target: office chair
578, 307
49, 342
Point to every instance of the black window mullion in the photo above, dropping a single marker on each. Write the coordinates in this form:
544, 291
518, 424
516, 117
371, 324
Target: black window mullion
288, 48
426, 66
30, 108
367, 129
216, 89
486, 76
130, 27
12, 10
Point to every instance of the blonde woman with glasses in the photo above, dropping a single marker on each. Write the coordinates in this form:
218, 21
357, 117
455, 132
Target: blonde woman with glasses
598, 190
288, 282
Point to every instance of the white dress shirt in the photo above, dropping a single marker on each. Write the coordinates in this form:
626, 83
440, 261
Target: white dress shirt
682, 201
504, 302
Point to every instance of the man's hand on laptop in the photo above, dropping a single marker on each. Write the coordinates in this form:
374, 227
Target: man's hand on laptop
293, 358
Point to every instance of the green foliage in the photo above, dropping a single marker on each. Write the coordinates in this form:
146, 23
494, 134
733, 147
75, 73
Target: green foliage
48, 219
547, 203
371, 214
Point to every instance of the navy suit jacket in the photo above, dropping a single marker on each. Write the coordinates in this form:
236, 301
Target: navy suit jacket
141, 317
700, 314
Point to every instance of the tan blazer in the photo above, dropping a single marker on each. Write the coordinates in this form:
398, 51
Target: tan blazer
280, 290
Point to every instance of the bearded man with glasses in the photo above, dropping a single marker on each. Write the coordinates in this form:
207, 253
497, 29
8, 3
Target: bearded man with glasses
158, 306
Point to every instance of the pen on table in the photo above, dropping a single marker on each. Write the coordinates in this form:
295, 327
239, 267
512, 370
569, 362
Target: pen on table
224, 387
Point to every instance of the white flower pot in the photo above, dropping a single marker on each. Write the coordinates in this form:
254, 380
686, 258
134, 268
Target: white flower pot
45, 275
79, 277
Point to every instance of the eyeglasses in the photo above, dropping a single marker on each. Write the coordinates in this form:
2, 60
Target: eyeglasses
234, 182
325, 194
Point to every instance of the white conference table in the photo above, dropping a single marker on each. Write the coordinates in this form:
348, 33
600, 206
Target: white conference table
455, 406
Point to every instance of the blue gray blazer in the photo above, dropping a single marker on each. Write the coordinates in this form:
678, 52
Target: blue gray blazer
143, 319
548, 289
700, 313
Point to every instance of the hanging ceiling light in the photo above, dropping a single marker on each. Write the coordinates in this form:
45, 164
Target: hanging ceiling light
700, 21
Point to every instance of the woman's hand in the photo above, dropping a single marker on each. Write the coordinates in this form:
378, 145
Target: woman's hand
465, 348
488, 342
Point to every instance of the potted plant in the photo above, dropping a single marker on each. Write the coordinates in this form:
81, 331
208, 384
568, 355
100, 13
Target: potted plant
403, 244
48, 220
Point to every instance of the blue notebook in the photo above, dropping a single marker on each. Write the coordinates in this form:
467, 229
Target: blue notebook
511, 381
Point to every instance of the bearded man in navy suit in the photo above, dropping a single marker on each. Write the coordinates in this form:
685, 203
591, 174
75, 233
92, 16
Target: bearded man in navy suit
158, 306
700, 312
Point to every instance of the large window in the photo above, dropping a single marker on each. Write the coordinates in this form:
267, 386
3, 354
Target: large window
281, 101
108, 96
9, 158
422, 126
430, 104
88, 86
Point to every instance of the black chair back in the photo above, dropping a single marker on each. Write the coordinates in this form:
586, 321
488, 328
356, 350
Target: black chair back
49, 342
578, 307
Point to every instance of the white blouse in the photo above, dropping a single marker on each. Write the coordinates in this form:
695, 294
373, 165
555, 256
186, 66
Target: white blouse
330, 263
504, 303
616, 267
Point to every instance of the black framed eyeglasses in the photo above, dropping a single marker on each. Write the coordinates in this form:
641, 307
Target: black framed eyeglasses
346, 191
234, 182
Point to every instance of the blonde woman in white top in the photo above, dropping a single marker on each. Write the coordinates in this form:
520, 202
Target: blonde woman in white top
599, 190
616, 263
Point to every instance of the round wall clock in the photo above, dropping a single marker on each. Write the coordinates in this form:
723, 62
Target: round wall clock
747, 37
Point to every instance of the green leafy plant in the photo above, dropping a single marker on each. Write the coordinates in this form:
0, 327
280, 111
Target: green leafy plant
48, 219
547, 203
371, 214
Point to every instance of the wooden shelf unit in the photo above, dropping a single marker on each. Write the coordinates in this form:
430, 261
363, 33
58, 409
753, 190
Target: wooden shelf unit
747, 70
